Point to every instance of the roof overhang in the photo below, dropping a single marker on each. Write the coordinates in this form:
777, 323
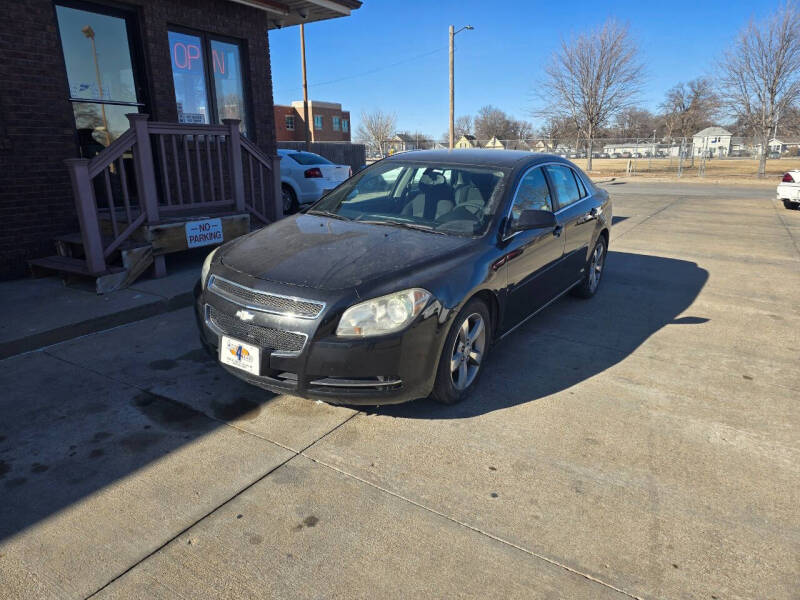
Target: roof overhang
285, 13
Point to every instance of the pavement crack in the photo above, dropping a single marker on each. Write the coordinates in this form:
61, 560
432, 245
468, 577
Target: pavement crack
216, 508
478, 530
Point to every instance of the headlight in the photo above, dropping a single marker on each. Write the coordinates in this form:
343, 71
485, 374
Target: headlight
206, 267
386, 314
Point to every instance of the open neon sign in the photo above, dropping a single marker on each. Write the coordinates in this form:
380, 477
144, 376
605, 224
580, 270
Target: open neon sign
187, 57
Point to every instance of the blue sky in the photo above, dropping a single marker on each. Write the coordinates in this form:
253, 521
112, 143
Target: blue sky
498, 63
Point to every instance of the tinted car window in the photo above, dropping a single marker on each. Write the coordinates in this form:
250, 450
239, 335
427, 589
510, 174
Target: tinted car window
308, 158
566, 189
532, 194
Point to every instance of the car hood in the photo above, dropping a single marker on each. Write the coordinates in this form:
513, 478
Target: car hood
329, 254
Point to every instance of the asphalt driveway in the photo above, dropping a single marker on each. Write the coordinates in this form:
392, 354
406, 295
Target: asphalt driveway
644, 444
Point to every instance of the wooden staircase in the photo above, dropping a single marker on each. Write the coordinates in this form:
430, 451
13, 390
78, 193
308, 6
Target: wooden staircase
134, 199
123, 266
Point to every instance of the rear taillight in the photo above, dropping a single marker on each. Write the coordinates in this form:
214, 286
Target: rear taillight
787, 178
313, 172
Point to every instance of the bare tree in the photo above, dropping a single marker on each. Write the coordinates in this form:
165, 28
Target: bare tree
592, 78
761, 74
376, 129
689, 107
634, 123
492, 122
462, 126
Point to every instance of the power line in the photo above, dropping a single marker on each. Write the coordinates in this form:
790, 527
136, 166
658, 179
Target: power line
375, 70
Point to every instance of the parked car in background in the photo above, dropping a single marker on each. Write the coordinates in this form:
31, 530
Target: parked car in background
306, 176
394, 286
615, 155
789, 190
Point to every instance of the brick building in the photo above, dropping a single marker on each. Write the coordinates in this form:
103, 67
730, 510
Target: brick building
330, 122
72, 69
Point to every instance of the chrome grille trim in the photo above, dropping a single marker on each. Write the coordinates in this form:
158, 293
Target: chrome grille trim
287, 343
268, 302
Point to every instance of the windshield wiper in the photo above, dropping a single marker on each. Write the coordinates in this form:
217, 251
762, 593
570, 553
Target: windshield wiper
327, 213
404, 224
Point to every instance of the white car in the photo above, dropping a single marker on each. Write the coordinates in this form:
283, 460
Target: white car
789, 190
306, 176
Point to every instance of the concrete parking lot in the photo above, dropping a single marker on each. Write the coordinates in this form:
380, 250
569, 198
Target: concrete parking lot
644, 444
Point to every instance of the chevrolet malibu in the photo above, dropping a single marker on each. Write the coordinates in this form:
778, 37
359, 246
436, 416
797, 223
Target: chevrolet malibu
394, 285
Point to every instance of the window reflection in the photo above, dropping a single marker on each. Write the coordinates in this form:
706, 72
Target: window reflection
188, 74
228, 82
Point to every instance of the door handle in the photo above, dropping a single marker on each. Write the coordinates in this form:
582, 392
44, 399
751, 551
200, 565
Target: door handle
591, 215
557, 231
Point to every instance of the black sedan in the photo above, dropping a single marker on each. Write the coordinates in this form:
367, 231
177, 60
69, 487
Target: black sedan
394, 285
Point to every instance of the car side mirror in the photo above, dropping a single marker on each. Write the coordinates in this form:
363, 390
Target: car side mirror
533, 219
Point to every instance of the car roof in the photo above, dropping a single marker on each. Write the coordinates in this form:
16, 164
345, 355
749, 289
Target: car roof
476, 157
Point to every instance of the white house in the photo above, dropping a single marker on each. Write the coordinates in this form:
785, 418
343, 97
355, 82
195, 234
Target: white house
467, 141
712, 142
785, 145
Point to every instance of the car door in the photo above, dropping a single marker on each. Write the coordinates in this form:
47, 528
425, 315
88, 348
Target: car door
577, 213
531, 258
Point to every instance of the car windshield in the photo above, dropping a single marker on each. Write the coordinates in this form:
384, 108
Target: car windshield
450, 199
308, 158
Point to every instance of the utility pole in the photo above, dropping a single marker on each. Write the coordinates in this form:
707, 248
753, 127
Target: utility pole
305, 84
452, 84
452, 90
89, 33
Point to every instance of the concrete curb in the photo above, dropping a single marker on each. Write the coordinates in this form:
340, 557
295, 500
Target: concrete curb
67, 332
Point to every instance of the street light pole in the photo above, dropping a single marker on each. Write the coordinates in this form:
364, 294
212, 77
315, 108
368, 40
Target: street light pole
452, 82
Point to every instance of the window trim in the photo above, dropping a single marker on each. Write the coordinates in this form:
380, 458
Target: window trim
336, 123
321, 123
346, 128
286, 119
206, 37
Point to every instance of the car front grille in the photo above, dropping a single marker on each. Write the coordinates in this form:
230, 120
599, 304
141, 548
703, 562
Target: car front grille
266, 337
258, 300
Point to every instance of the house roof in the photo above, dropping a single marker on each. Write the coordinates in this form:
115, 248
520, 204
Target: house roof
712, 132
284, 13
793, 141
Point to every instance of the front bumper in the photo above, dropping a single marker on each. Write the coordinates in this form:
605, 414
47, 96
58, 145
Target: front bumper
385, 370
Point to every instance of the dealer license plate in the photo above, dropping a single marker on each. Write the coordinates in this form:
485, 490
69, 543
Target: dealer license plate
240, 355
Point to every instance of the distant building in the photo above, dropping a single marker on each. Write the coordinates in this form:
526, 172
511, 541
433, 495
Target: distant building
403, 142
329, 122
785, 146
712, 142
495, 144
466, 141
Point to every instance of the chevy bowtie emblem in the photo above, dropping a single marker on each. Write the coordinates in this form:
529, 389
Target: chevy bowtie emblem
245, 315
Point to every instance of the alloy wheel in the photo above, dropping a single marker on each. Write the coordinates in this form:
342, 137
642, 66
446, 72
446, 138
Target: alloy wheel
468, 349
596, 266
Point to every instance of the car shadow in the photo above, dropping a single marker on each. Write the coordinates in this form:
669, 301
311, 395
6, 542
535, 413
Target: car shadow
575, 339
64, 438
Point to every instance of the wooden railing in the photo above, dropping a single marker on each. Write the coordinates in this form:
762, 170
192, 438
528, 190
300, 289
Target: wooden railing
155, 170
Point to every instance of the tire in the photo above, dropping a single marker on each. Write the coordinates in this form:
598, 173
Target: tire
449, 388
289, 199
594, 271
789, 205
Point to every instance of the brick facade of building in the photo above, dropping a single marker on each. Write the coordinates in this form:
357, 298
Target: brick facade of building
331, 123
37, 128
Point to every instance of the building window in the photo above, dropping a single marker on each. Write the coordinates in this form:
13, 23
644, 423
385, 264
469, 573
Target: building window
317, 121
336, 122
101, 73
201, 63
290, 122
345, 125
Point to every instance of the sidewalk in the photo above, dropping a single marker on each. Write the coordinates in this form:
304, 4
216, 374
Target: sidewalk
39, 312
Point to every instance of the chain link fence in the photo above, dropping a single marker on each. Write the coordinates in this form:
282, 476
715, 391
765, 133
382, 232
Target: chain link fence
678, 157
